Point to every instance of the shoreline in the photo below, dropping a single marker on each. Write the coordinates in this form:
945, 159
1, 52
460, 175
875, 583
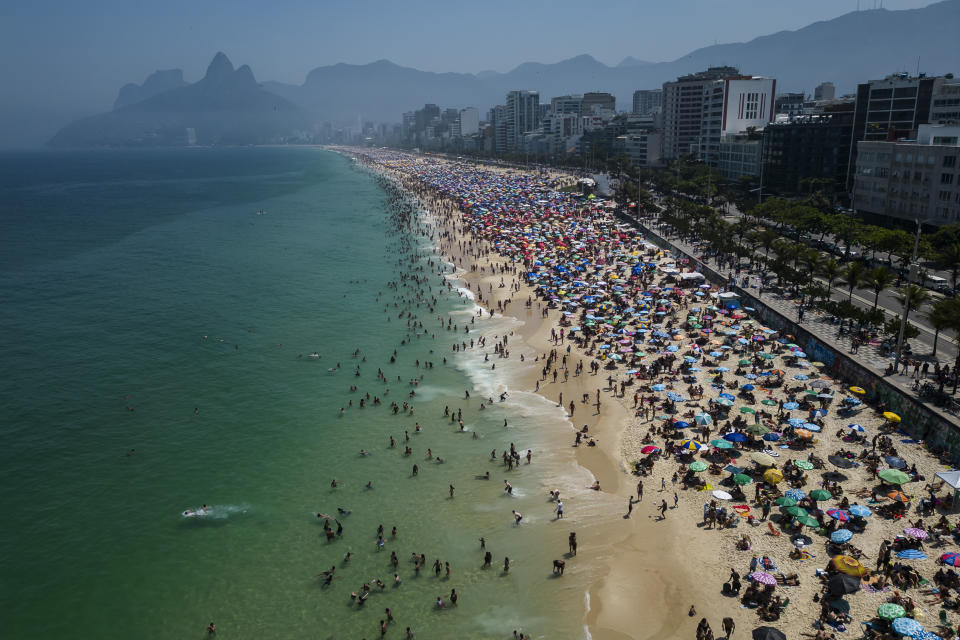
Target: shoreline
608, 607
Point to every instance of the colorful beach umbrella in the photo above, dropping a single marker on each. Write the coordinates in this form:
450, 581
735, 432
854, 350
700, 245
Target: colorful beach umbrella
719, 443
838, 514
763, 578
698, 466
649, 449
907, 627
841, 535
848, 565
890, 610
917, 534
952, 559
821, 494
891, 416
894, 476
898, 496
911, 554
860, 511
773, 476
803, 464
691, 445
858, 390
742, 479
796, 494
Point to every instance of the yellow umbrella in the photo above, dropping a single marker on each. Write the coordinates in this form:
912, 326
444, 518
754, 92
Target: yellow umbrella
773, 476
849, 565
891, 416
818, 364
858, 390
763, 459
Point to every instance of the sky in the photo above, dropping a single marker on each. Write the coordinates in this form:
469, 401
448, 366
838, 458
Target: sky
61, 59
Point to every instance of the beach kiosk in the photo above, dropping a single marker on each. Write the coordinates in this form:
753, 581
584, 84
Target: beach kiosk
952, 479
729, 300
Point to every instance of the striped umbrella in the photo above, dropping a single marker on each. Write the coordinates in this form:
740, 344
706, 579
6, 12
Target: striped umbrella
703, 419
911, 554
952, 559
838, 514
691, 445
763, 578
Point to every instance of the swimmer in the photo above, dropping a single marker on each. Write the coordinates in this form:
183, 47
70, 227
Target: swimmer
485, 476
517, 516
342, 511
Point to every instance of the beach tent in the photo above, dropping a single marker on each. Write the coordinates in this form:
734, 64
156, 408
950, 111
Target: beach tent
952, 478
729, 300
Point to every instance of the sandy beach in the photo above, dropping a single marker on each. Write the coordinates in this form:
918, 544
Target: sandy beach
654, 567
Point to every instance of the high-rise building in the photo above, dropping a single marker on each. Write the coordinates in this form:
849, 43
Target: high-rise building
498, 124
824, 91
911, 179
809, 147
567, 104
790, 104
469, 121
946, 103
523, 115
597, 102
889, 109
731, 106
683, 109
645, 101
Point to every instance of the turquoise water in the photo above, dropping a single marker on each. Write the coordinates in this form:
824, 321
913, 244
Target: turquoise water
146, 306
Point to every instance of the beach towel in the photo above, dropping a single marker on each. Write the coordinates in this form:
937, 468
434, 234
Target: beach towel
870, 589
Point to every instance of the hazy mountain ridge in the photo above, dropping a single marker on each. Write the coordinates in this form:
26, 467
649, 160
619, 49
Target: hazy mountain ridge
226, 106
847, 50
156, 83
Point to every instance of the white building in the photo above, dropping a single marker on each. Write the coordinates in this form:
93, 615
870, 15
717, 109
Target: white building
469, 121
523, 115
732, 106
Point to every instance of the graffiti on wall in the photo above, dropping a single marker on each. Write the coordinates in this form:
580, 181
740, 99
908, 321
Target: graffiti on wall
819, 352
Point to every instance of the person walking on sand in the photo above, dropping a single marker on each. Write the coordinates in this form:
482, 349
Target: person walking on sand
663, 509
728, 627
640, 491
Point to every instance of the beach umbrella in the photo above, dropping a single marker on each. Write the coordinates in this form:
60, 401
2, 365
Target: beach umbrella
819, 384
767, 356
841, 535
848, 565
773, 476
763, 459
722, 495
820, 494
703, 419
698, 466
801, 376
719, 443
808, 521
811, 426
907, 627
858, 390
796, 511
649, 449
838, 514
769, 402
790, 406
726, 396
659, 387
796, 494
803, 464
914, 532
952, 559
895, 462
856, 427
763, 578
680, 424
890, 610
891, 416
747, 410
748, 387
898, 496
894, 476
691, 445
744, 361
768, 633
722, 369
842, 583
771, 437
928, 635
757, 429
735, 437
841, 462
742, 479
911, 554
840, 605
860, 511
784, 501
724, 402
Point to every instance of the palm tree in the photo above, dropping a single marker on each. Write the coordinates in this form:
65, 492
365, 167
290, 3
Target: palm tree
830, 271
917, 297
941, 317
879, 279
949, 258
812, 259
853, 276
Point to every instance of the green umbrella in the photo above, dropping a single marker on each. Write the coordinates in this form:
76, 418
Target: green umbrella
699, 465
890, 610
697, 325
784, 501
769, 402
820, 494
767, 356
744, 361
641, 354
747, 410
720, 443
796, 511
742, 479
894, 476
803, 464
793, 346
756, 429
724, 402
808, 521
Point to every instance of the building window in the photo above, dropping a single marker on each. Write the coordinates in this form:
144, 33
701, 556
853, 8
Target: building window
946, 178
949, 161
944, 196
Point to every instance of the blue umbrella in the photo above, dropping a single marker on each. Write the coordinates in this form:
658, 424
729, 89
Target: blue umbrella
659, 387
673, 347
811, 426
727, 396
907, 627
895, 462
748, 387
680, 424
796, 422
715, 354
912, 554
856, 427
790, 406
703, 418
751, 376
676, 397
819, 412
801, 376
796, 494
735, 437
771, 437
800, 354
841, 535
723, 369
861, 511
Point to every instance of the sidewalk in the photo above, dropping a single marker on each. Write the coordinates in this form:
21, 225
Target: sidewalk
817, 323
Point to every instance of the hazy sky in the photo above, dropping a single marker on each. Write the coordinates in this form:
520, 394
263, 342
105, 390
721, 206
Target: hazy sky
67, 56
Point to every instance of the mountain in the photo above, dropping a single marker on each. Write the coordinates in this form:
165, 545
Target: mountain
847, 50
156, 83
226, 106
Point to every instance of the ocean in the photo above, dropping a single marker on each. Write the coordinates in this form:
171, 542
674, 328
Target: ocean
158, 312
